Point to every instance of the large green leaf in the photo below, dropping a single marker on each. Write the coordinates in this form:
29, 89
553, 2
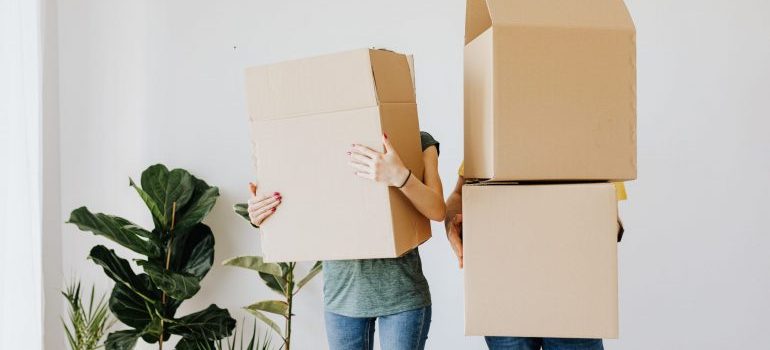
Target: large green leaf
165, 188
255, 263
312, 273
179, 286
195, 344
266, 320
119, 270
203, 199
211, 323
129, 307
277, 307
122, 340
117, 229
193, 252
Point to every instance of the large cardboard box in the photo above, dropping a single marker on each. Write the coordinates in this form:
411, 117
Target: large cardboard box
305, 114
550, 90
541, 260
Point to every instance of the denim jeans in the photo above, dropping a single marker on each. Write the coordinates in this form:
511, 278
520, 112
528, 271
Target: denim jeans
406, 330
518, 343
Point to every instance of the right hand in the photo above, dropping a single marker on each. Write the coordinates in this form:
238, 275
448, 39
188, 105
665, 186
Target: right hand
262, 206
455, 236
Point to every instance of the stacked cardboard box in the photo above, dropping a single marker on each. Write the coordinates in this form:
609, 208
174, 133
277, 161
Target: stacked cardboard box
304, 116
550, 98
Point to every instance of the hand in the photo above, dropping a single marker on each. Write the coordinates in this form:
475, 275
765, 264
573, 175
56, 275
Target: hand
262, 206
455, 236
385, 167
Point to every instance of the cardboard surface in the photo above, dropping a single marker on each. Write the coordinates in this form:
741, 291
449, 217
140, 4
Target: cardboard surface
550, 90
305, 114
541, 260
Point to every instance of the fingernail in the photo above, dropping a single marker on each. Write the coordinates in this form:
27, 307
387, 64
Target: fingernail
279, 198
272, 209
385, 134
276, 194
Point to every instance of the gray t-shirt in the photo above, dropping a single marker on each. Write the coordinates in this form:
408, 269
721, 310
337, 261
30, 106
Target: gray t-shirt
377, 287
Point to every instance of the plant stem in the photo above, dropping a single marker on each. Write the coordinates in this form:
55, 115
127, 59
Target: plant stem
168, 263
289, 302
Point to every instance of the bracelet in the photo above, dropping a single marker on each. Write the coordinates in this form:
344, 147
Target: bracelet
406, 180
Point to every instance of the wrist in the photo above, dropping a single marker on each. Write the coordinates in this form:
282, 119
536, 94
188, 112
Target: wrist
402, 177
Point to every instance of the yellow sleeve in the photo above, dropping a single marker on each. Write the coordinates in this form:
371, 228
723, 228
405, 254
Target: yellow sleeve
620, 190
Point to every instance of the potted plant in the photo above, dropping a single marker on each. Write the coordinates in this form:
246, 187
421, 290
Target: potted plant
176, 254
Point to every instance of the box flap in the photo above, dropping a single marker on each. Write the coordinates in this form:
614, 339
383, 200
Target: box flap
606, 14
477, 19
328, 83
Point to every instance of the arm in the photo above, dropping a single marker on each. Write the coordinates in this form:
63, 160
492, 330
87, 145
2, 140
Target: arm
427, 196
454, 220
387, 168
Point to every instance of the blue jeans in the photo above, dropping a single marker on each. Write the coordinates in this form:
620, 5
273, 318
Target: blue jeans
518, 343
406, 330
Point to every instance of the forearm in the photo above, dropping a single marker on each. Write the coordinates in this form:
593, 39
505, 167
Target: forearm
427, 201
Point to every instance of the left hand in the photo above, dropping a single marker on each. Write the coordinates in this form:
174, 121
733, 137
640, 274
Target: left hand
385, 167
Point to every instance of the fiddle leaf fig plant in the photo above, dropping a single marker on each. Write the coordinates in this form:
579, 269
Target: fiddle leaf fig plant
280, 278
175, 256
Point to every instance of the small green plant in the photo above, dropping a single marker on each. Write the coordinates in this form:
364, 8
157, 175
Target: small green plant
256, 342
175, 256
87, 322
279, 277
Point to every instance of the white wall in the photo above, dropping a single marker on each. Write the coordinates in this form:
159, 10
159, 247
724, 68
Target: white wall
161, 81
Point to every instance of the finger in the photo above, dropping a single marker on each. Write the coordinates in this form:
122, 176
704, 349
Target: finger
360, 158
262, 196
262, 217
386, 143
459, 218
253, 189
269, 207
365, 151
360, 167
364, 175
264, 203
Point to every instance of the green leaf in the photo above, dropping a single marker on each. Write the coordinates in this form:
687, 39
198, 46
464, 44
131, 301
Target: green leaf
117, 229
270, 323
118, 270
193, 252
203, 199
277, 307
312, 273
166, 187
211, 323
255, 263
155, 210
195, 344
129, 307
242, 209
179, 286
122, 340
275, 283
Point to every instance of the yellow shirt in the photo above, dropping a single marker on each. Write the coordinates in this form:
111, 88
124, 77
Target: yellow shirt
620, 188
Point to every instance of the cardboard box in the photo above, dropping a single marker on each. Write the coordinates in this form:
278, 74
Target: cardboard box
541, 260
305, 114
550, 90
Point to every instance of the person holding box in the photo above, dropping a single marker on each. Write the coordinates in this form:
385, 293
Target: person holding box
394, 291
454, 229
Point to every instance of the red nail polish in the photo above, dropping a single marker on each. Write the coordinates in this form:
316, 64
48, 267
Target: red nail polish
272, 209
385, 134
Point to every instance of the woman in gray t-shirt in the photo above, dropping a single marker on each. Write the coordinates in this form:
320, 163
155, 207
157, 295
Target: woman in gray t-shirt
359, 292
